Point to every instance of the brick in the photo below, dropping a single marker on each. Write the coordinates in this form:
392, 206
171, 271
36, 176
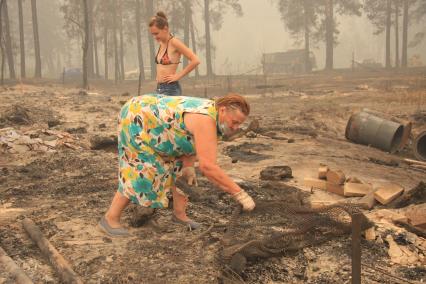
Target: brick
334, 188
316, 204
370, 234
356, 189
367, 201
353, 180
322, 172
417, 216
388, 192
315, 183
336, 177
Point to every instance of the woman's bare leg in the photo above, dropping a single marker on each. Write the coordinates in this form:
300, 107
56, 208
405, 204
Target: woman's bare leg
113, 215
180, 202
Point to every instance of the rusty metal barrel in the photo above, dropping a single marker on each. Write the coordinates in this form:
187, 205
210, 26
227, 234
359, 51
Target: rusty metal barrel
367, 129
419, 146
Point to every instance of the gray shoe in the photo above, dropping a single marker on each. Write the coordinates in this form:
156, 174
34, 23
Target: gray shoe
110, 231
190, 224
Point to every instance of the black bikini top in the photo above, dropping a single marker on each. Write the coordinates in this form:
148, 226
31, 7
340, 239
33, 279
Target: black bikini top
165, 60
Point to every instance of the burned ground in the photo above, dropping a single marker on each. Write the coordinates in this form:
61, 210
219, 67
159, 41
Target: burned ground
66, 186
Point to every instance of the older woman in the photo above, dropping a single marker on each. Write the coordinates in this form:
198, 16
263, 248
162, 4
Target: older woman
160, 137
168, 57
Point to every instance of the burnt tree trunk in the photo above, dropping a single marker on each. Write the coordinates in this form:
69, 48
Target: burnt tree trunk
329, 35
404, 35
36, 40
8, 42
90, 69
194, 44
21, 38
396, 34
308, 67
106, 43
186, 29
95, 51
150, 11
85, 44
2, 41
122, 75
139, 40
114, 34
388, 30
209, 65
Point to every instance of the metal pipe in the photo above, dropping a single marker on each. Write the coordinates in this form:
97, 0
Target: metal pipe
419, 146
365, 128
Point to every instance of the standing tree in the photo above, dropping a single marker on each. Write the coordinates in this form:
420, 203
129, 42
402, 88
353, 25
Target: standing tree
404, 34
329, 34
1, 40
214, 10
106, 12
8, 42
299, 17
114, 34
208, 40
90, 57
342, 7
187, 19
194, 43
149, 8
120, 25
396, 33
21, 38
139, 40
36, 40
388, 30
86, 43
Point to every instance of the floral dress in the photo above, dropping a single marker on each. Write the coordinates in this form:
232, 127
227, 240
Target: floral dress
151, 135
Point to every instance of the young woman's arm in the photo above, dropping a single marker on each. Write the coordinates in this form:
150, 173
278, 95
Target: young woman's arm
192, 58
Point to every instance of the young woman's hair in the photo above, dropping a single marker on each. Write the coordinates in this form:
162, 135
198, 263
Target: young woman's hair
234, 101
159, 20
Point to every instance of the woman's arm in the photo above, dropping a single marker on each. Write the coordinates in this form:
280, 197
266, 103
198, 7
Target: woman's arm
192, 58
203, 128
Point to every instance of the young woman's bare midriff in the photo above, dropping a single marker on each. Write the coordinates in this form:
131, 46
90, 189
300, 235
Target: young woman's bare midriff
170, 69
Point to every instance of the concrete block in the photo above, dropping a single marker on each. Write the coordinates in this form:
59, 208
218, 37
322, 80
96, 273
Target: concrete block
334, 188
387, 192
322, 172
315, 183
356, 189
336, 177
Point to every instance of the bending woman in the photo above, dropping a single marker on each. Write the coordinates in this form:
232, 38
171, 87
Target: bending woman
168, 57
160, 138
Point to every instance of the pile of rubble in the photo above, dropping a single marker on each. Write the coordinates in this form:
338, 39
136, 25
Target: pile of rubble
14, 141
367, 196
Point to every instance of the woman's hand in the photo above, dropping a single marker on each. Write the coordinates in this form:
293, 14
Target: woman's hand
188, 173
245, 200
171, 78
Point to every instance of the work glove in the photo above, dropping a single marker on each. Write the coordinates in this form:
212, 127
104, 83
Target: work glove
245, 200
188, 173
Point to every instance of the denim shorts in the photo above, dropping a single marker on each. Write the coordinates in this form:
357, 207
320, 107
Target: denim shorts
169, 89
